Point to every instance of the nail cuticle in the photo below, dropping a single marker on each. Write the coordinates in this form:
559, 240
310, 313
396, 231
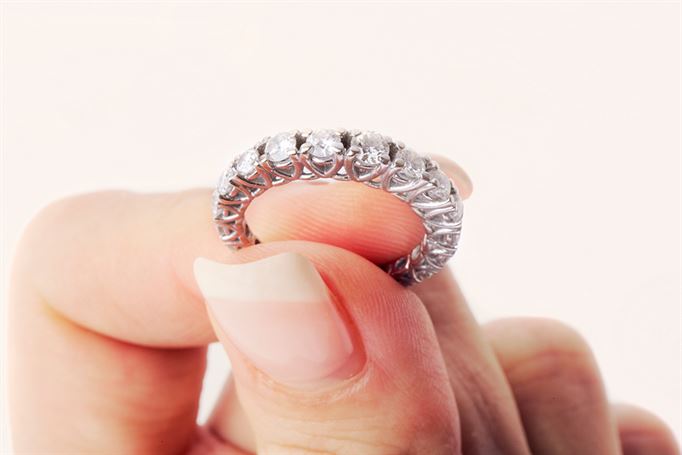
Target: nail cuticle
278, 313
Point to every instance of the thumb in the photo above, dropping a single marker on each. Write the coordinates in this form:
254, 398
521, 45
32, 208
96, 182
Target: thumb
329, 354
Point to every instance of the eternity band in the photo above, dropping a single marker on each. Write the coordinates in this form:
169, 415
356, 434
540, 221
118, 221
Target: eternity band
360, 156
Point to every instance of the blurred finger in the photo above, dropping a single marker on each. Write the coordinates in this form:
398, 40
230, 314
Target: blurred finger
490, 422
642, 433
228, 421
557, 387
75, 391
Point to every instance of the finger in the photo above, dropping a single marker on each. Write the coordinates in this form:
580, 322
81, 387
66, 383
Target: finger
118, 265
490, 422
94, 278
129, 252
557, 386
642, 433
348, 215
74, 391
343, 360
228, 421
208, 443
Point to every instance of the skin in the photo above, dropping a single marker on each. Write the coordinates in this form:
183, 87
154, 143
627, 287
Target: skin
108, 332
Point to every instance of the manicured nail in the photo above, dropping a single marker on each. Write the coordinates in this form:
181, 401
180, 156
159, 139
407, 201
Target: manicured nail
277, 312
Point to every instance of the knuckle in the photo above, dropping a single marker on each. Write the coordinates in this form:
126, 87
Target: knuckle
552, 353
39, 227
40, 232
359, 417
59, 214
555, 336
49, 237
541, 334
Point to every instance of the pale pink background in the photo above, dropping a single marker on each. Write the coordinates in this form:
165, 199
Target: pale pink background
566, 115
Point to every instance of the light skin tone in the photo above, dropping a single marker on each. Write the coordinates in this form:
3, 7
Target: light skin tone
110, 315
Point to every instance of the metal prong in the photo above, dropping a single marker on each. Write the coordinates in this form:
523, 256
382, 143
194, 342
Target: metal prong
305, 148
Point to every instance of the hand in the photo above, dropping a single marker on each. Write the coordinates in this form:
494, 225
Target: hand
329, 354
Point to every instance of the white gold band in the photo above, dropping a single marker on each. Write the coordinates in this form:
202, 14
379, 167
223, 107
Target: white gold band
366, 157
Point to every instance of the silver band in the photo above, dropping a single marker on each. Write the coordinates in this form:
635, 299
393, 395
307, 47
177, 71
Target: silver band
367, 157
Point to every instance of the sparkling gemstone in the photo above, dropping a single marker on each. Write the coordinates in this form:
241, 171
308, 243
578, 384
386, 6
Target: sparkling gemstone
447, 217
247, 162
224, 184
325, 144
415, 164
442, 190
280, 146
215, 197
374, 148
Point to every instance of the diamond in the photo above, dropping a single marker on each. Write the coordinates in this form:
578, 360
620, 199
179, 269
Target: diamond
247, 162
442, 182
280, 146
325, 144
224, 184
374, 148
215, 199
444, 218
415, 164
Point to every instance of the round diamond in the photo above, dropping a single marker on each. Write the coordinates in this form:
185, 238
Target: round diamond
215, 207
224, 184
247, 162
415, 164
325, 144
442, 190
280, 146
374, 148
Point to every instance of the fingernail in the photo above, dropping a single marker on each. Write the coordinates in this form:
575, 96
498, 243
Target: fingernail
278, 313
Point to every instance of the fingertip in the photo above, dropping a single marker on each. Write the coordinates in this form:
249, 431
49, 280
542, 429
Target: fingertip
349, 215
642, 432
316, 385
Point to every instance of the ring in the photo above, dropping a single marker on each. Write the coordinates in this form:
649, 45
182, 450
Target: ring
360, 156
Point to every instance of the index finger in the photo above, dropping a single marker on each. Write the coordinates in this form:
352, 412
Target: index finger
120, 263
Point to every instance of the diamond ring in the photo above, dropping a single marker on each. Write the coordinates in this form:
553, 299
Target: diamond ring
361, 156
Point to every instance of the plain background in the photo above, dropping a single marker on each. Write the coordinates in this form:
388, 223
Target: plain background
566, 115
